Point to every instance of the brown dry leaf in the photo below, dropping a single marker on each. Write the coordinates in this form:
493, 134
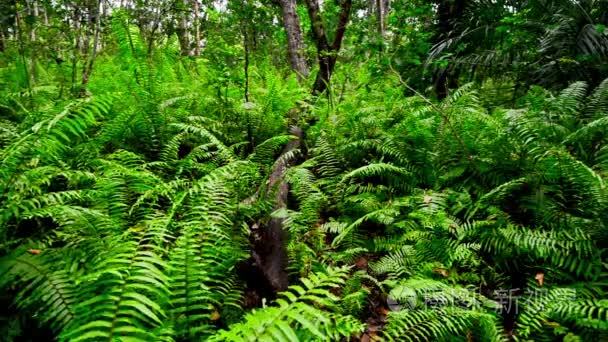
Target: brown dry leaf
540, 277
215, 315
34, 251
361, 263
383, 311
370, 336
441, 271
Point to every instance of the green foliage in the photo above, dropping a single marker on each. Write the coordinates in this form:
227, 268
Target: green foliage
49, 293
498, 198
134, 207
303, 313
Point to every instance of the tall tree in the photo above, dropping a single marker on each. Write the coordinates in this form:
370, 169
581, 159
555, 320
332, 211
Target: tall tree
448, 11
327, 53
7, 20
295, 41
382, 9
197, 29
94, 23
182, 28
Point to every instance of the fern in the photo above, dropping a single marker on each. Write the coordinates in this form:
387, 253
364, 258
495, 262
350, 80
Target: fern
300, 314
440, 324
133, 213
133, 280
49, 294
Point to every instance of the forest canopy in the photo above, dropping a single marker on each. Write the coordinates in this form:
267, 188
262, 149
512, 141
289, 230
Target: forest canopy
312, 170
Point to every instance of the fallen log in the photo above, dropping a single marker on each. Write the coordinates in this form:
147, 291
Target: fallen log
269, 239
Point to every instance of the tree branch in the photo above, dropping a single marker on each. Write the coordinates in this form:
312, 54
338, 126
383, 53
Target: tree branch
345, 8
318, 29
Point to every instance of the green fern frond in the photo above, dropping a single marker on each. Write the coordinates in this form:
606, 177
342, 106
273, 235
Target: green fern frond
265, 152
303, 312
441, 325
133, 281
597, 104
50, 294
572, 250
376, 170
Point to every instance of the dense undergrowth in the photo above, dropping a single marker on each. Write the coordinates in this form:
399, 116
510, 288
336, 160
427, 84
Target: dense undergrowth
126, 213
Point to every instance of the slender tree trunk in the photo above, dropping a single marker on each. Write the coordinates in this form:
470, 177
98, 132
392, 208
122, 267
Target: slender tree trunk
2, 40
246, 66
326, 53
381, 11
76, 52
448, 11
94, 19
155, 26
45, 16
33, 12
19, 36
197, 31
87, 29
182, 31
295, 42
382, 8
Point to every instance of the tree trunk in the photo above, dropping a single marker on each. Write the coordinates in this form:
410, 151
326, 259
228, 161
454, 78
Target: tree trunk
182, 31
76, 15
269, 252
448, 11
246, 66
197, 30
2, 40
295, 42
382, 12
326, 53
382, 8
20, 39
95, 20
32, 13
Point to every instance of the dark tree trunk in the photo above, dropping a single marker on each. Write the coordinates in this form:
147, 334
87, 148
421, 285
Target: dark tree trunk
448, 11
8, 14
295, 42
326, 53
269, 251
2, 38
